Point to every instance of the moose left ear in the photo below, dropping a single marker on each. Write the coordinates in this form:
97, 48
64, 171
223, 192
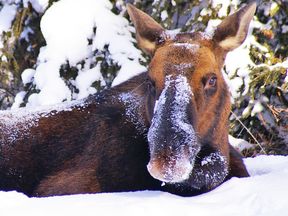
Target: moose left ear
148, 31
233, 30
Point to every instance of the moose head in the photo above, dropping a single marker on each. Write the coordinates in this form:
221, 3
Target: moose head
188, 103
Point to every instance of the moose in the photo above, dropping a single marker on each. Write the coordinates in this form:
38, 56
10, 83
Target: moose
165, 129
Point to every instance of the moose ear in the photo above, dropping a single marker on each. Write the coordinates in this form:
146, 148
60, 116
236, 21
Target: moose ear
148, 31
233, 30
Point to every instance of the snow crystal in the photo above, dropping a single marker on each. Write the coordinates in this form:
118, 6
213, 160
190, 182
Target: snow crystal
224, 7
27, 75
192, 47
170, 34
164, 15
4, 58
25, 35
155, 106
38, 5
205, 12
207, 35
133, 105
7, 15
212, 26
17, 122
211, 177
258, 107
274, 6
18, 100
173, 2
127, 71
284, 29
180, 67
234, 85
85, 79
246, 112
239, 144
240, 66
212, 158
283, 64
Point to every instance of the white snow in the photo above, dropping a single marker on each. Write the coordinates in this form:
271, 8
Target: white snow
224, 7
211, 26
133, 106
7, 15
25, 118
27, 75
262, 194
38, 5
205, 11
182, 66
85, 79
192, 47
284, 29
164, 15
212, 158
67, 26
258, 107
239, 144
18, 99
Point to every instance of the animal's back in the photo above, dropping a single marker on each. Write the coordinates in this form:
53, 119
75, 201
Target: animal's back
75, 147
34, 141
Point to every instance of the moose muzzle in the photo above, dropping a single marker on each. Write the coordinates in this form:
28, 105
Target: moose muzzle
172, 139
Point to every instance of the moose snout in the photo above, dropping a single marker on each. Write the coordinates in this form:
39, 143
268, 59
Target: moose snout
170, 171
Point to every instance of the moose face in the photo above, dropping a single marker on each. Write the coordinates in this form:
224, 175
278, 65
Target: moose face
187, 84
188, 103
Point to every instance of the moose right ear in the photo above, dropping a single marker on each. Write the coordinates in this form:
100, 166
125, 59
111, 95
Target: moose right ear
233, 30
148, 31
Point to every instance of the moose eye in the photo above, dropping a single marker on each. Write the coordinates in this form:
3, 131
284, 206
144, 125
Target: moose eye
210, 84
212, 81
209, 81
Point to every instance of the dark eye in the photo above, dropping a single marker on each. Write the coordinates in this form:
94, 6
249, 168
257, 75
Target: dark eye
209, 81
212, 81
210, 84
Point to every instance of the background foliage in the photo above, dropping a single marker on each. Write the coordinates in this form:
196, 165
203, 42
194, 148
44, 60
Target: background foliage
260, 101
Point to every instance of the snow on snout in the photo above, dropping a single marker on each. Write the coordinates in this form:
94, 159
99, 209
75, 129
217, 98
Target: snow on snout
191, 47
187, 143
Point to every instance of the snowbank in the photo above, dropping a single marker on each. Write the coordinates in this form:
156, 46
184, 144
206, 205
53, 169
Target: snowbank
74, 31
262, 194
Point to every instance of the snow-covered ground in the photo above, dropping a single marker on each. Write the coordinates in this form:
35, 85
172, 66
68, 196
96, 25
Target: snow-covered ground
262, 194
